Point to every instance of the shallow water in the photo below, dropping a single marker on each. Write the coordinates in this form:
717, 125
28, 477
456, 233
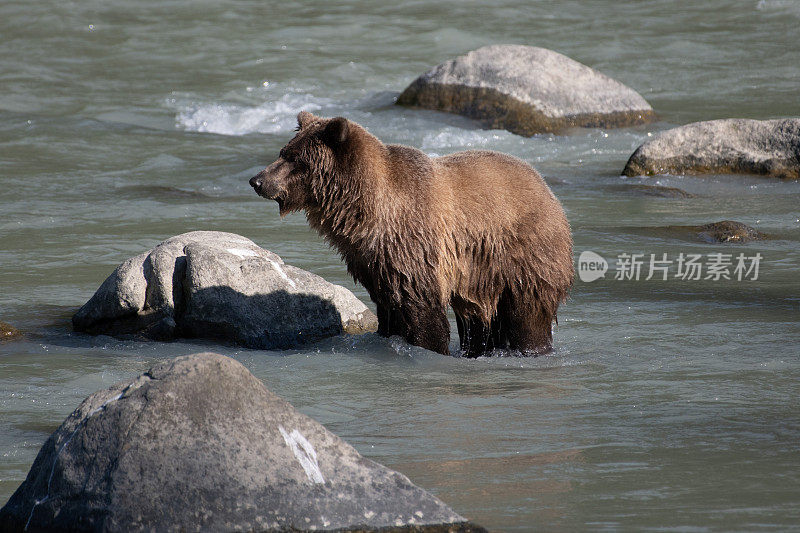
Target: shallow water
669, 405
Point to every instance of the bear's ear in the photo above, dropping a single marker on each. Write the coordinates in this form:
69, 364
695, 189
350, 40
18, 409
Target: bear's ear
304, 118
335, 132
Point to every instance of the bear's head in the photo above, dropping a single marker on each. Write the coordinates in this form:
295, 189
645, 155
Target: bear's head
308, 160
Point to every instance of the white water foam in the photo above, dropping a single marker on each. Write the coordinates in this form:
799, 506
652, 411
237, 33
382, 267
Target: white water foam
275, 116
451, 139
789, 6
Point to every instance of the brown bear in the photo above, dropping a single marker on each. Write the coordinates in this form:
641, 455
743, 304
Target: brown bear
479, 231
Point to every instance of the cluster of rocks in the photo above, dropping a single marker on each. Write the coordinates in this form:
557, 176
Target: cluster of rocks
200, 444
529, 90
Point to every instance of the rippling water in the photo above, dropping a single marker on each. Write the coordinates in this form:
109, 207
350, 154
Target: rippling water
668, 405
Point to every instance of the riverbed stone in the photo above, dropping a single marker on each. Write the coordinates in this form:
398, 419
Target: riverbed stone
9, 332
220, 285
727, 146
527, 90
200, 444
658, 191
724, 231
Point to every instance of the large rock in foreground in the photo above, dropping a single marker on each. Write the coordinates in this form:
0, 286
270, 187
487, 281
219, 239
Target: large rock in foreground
199, 444
527, 90
729, 146
221, 286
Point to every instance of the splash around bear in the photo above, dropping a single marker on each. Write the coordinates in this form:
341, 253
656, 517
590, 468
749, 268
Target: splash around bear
478, 231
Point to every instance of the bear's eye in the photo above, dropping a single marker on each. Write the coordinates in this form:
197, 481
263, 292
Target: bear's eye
287, 156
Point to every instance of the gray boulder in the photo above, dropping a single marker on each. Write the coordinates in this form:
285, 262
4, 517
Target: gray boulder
527, 90
221, 286
730, 146
199, 444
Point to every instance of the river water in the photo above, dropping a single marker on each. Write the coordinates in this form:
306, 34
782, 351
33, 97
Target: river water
666, 405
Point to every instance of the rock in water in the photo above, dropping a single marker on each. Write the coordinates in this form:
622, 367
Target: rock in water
222, 286
9, 332
729, 146
199, 444
659, 191
527, 90
727, 231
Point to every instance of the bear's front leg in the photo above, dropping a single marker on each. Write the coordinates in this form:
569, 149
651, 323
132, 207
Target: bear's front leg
390, 320
429, 328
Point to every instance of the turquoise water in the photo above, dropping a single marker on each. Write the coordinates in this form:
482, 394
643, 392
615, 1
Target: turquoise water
668, 405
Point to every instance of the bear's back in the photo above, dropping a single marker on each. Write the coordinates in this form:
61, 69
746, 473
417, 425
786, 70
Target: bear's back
408, 167
493, 186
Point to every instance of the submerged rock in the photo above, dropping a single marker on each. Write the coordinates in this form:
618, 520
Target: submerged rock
221, 286
527, 90
9, 332
162, 193
728, 231
199, 444
730, 146
725, 231
659, 191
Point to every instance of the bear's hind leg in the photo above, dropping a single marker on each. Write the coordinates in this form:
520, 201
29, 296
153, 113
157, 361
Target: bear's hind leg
524, 323
428, 328
476, 336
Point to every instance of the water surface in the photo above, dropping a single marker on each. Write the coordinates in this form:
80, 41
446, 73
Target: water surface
668, 405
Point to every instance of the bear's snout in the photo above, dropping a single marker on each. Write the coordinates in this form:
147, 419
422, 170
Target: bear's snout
255, 181
271, 183
267, 186
263, 185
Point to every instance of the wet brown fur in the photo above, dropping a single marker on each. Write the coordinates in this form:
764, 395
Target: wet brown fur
479, 231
